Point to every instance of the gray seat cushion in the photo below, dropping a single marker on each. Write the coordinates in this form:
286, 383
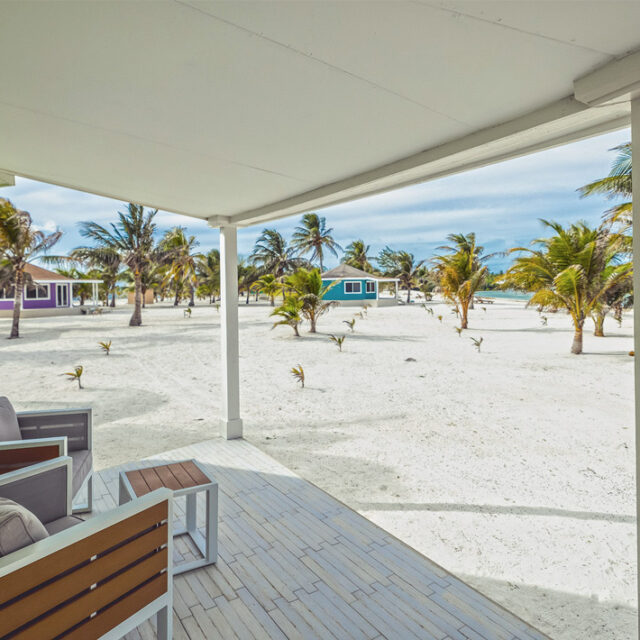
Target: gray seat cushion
18, 527
81, 463
9, 429
56, 526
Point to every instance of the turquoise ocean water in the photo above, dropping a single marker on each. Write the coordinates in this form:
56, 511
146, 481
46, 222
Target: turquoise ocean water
513, 295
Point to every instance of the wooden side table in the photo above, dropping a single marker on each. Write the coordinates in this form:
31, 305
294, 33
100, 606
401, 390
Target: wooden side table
187, 479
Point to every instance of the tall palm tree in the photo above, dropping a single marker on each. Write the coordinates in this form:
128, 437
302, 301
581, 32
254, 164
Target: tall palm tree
355, 255
616, 184
573, 270
308, 287
271, 254
403, 266
461, 272
312, 236
177, 252
132, 239
269, 285
209, 273
20, 243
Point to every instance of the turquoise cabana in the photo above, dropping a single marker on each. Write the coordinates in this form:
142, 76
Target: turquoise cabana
356, 287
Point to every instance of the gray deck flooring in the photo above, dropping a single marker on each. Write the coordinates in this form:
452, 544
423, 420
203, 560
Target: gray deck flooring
296, 563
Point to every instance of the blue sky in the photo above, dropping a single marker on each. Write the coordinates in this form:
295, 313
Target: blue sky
502, 203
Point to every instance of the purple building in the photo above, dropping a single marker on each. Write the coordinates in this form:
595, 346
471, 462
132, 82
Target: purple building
49, 293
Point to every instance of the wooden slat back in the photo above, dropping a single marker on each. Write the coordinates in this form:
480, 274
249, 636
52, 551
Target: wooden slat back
72, 425
13, 459
56, 594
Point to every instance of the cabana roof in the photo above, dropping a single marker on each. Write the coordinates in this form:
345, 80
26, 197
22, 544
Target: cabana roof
38, 274
345, 272
243, 112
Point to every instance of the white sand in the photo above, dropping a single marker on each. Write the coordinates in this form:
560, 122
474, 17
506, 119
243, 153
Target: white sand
513, 467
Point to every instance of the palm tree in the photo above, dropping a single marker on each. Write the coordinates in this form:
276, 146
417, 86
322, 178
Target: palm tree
309, 289
461, 272
616, 184
402, 265
208, 269
269, 285
290, 312
20, 243
355, 255
573, 270
312, 236
105, 260
83, 291
247, 277
177, 252
272, 255
132, 239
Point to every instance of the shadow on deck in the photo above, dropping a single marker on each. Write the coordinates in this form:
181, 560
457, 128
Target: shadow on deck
296, 563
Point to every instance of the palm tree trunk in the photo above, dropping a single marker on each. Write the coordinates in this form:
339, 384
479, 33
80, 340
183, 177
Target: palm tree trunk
617, 312
144, 297
273, 301
17, 304
312, 322
295, 330
598, 322
192, 299
464, 315
176, 300
576, 347
408, 294
113, 296
136, 318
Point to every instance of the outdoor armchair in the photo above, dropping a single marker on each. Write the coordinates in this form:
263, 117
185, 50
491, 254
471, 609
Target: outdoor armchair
91, 579
29, 437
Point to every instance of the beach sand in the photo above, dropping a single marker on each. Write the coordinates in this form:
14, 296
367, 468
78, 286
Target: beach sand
512, 468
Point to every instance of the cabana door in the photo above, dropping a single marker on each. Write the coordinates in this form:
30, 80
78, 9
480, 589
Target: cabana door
62, 295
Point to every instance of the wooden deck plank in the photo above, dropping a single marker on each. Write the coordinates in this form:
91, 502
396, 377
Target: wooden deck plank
295, 563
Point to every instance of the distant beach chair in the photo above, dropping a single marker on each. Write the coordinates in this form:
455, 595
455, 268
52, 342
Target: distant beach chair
30, 437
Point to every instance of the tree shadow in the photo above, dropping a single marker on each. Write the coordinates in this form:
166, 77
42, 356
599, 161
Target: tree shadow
494, 509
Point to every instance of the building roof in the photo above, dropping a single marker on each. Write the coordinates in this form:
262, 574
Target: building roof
347, 271
44, 275
299, 105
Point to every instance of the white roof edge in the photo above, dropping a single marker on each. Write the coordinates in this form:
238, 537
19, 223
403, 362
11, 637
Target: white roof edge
371, 277
65, 281
559, 123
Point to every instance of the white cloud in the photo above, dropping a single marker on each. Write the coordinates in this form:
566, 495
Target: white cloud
501, 203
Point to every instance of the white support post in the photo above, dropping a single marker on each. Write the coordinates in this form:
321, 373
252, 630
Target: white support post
635, 199
230, 423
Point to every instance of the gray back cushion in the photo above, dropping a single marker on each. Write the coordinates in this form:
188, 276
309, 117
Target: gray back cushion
18, 527
9, 429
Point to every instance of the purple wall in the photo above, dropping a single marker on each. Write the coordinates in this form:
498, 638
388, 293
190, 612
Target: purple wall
49, 303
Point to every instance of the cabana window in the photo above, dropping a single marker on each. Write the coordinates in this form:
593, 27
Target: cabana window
36, 292
370, 286
7, 293
352, 287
